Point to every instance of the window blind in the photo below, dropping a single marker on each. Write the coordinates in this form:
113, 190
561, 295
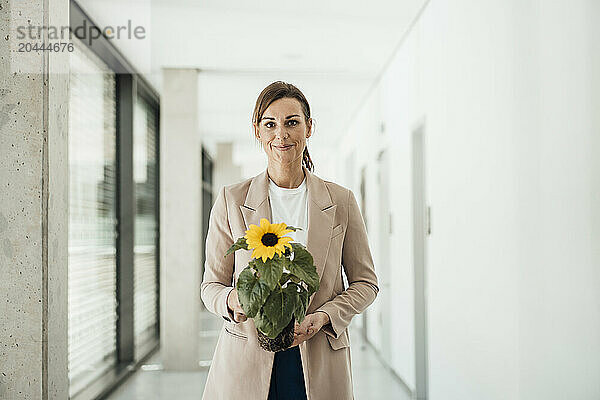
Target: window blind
92, 221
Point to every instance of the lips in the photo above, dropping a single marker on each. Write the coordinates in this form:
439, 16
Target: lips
284, 147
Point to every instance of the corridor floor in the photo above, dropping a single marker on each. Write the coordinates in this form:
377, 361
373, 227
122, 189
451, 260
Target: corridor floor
372, 380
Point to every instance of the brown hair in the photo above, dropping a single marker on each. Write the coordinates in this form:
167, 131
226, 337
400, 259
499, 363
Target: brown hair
278, 90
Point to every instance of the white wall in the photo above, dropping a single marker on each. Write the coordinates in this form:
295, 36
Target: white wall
507, 91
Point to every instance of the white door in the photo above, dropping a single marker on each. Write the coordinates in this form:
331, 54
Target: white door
384, 260
420, 231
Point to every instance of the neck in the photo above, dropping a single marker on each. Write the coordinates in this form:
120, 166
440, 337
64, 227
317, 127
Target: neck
286, 176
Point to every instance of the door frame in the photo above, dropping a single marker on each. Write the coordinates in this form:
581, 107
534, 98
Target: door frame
421, 229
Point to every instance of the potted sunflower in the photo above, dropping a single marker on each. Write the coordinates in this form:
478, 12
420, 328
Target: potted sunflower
275, 287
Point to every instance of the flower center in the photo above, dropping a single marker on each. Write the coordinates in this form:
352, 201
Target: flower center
269, 239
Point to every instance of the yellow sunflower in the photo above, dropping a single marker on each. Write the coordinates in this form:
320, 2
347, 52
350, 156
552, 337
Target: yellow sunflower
267, 239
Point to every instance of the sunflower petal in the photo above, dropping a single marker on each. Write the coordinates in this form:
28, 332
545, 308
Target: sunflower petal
279, 228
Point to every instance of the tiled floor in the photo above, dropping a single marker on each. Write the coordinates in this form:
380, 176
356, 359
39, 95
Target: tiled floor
372, 381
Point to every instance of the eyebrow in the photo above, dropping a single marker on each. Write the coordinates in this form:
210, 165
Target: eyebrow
289, 116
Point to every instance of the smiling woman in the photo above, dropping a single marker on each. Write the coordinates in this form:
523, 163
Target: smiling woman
282, 124
317, 365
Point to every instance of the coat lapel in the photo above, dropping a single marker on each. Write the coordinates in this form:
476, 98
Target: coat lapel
257, 205
321, 213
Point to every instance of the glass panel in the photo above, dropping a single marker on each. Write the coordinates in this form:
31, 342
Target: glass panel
146, 226
92, 221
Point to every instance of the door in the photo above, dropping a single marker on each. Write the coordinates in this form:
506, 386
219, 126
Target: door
420, 232
363, 209
384, 264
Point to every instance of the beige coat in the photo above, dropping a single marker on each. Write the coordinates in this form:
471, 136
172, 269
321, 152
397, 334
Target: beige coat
241, 369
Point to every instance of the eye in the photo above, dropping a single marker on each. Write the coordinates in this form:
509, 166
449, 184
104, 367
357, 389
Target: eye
269, 124
293, 122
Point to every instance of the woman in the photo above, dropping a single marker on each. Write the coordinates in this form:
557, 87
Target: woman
317, 366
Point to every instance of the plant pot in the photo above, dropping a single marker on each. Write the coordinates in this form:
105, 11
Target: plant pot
281, 342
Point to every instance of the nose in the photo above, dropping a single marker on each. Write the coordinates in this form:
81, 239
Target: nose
281, 133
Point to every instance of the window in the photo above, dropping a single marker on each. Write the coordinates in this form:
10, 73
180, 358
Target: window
114, 228
92, 221
146, 226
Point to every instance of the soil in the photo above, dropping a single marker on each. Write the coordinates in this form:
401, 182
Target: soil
281, 342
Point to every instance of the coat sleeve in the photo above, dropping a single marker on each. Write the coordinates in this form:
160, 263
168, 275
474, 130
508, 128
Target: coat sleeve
217, 281
360, 271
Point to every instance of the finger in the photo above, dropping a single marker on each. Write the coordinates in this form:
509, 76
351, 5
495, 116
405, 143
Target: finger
240, 311
240, 317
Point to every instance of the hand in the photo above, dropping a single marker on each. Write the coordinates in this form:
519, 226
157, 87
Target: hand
233, 303
311, 324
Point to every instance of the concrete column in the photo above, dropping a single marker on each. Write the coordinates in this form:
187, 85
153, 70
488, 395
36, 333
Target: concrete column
180, 220
225, 171
33, 205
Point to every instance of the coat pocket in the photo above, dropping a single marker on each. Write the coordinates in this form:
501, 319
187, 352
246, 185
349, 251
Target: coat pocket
235, 334
339, 343
337, 231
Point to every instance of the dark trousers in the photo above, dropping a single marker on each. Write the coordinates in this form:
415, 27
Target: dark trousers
287, 379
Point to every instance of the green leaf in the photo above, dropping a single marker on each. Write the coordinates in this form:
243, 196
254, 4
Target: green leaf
264, 324
252, 292
302, 267
291, 293
288, 277
296, 245
270, 271
239, 244
284, 278
293, 228
278, 310
300, 311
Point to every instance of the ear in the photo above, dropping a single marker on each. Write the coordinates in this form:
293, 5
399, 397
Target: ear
256, 131
310, 125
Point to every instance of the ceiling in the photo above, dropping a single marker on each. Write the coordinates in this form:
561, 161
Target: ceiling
332, 50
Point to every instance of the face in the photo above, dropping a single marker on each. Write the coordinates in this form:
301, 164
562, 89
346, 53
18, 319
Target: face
283, 131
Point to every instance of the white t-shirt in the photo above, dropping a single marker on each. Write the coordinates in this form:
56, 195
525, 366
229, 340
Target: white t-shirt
291, 207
